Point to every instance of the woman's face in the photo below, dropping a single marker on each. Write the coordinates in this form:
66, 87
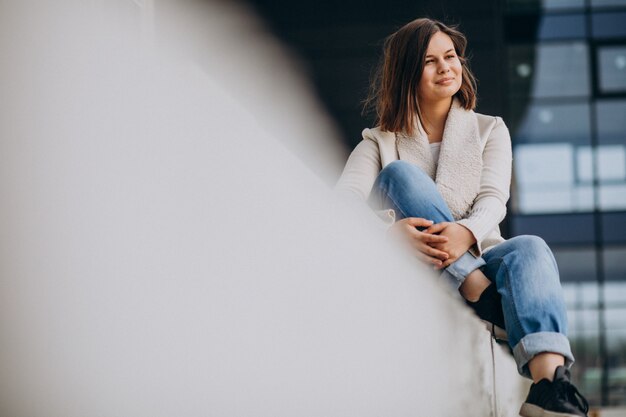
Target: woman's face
443, 73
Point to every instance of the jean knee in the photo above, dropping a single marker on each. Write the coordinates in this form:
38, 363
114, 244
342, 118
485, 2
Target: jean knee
401, 171
533, 245
536, 249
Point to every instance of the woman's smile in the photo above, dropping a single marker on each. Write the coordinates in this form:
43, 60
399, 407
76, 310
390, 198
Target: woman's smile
445, 81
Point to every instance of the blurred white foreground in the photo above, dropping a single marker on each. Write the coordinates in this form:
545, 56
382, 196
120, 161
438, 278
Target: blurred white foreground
169, 245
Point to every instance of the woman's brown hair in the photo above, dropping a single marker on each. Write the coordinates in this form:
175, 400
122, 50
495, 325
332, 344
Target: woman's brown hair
394, 88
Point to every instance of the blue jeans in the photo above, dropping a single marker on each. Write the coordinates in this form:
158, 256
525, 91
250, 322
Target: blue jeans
522, 268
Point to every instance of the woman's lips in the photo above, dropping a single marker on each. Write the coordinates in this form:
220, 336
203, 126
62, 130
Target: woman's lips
445, 81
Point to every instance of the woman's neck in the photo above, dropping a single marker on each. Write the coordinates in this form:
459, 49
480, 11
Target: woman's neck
434, 115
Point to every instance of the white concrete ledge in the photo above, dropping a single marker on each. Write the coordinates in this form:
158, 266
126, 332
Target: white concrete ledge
162, 254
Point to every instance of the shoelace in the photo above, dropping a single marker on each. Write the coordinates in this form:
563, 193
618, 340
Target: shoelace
570, 392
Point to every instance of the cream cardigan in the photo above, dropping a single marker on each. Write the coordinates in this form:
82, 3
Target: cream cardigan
473, 173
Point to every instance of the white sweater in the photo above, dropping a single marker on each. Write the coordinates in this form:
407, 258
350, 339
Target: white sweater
473, 173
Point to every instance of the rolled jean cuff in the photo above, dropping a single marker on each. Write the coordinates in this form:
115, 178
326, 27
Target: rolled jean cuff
536, 343
462, 267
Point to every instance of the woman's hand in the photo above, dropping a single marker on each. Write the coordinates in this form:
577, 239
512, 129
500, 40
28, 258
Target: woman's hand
423, 242
460, 239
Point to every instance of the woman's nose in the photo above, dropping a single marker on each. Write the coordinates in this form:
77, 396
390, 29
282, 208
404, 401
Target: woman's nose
444, 67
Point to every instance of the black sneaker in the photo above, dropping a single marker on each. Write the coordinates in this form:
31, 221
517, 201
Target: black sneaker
489, 306
557, 398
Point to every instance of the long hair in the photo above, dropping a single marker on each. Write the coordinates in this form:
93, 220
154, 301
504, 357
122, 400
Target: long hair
394, 88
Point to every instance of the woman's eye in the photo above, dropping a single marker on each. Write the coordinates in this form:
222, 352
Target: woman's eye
428, 61
451, 56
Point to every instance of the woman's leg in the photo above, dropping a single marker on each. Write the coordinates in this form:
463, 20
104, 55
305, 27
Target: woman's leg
407, 190
527, 278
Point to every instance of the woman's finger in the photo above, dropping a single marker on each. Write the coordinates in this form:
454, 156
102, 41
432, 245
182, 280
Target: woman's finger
446, 263
436, 228
428, 238
428, 259
432, 252
418, 222
437, 253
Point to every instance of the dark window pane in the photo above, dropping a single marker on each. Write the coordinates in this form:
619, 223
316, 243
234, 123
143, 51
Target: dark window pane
612, 68
564, 230
603, 3
608, 25
562, 26
611, 122
614, 228
534, 5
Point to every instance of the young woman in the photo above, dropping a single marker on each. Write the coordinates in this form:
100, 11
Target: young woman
439, 173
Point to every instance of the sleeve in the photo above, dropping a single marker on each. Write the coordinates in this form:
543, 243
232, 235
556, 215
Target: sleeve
359, 175
489, 208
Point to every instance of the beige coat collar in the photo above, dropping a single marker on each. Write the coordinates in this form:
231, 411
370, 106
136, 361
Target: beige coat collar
457, 173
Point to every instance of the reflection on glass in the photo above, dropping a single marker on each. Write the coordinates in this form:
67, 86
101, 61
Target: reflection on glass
528, 5
614, 227
581, 299
521, 66
615, 291
544, 164
584, 164
615, 313
611, 121
612, 61
612, 197
524, 70
603, 3
557, 170
616, 327
608, 25
555, 123
583, 198
561, 199
549, 70
560, 4
565, 26
578, 264
615, 271
549, 181
557, 178
611, 161
561, 70
616, 320
615, 316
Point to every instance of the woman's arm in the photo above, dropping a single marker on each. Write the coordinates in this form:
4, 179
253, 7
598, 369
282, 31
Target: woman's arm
489, 208
359, 175
361, 170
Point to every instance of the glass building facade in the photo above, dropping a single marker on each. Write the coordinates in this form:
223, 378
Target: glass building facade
566, 81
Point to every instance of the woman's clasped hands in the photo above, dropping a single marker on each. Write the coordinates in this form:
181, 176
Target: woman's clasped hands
438, 244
